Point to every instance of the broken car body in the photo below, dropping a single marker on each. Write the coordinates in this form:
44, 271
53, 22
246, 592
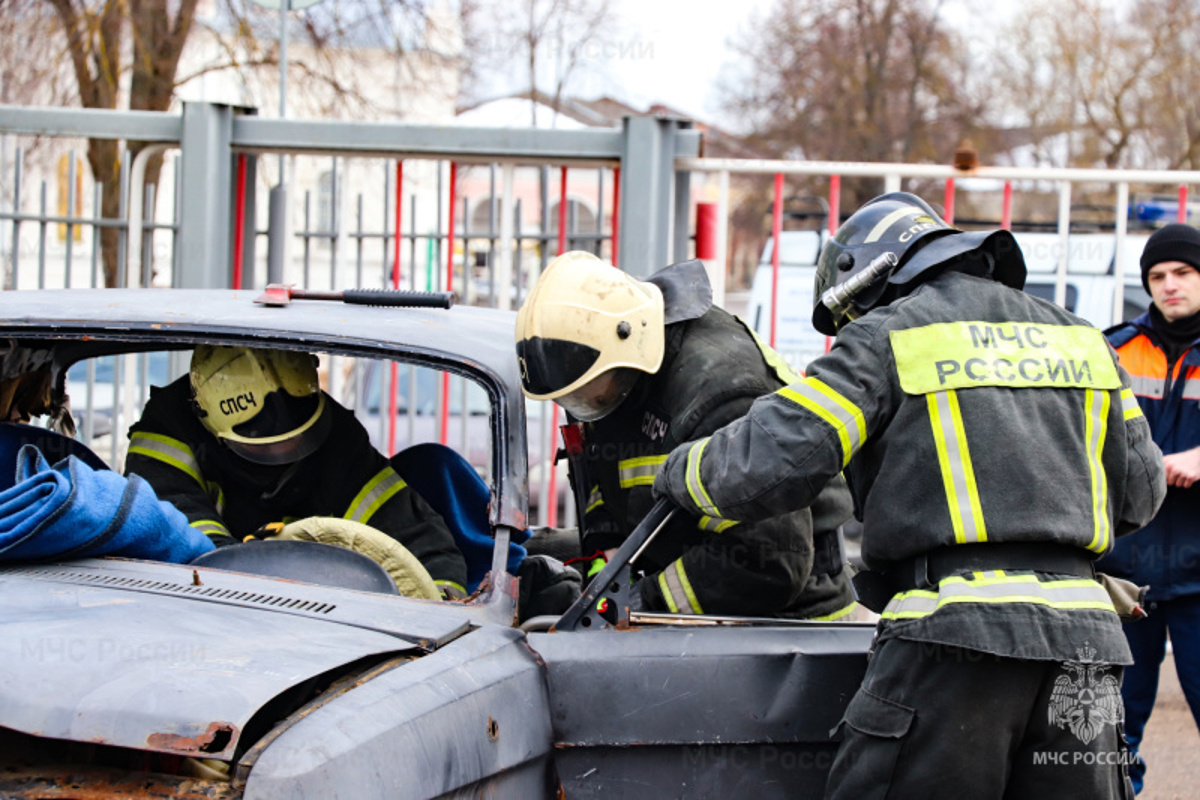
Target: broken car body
121, 677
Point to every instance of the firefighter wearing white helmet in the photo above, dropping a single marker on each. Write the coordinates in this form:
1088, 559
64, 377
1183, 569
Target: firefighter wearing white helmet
641, 366
248, 438
994, 449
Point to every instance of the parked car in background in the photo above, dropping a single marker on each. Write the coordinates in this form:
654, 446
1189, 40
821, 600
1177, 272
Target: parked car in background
123, 677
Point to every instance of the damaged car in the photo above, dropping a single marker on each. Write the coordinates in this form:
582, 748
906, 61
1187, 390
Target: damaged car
309, 676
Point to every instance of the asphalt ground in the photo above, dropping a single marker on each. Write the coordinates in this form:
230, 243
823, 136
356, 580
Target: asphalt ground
1171, 744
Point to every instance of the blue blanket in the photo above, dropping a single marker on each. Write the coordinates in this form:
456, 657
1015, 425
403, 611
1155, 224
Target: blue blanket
452, 487
71, 510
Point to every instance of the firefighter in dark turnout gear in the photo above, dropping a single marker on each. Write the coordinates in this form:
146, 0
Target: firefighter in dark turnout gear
994, 450
248, 438
641, 366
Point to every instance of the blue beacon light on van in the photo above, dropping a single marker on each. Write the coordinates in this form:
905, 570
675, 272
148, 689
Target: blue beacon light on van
1156, 211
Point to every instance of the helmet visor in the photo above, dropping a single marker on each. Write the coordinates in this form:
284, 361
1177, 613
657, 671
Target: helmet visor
551, 365
601, 395
286, 430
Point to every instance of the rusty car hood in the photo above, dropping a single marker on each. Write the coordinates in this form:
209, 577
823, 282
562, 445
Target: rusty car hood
173, 659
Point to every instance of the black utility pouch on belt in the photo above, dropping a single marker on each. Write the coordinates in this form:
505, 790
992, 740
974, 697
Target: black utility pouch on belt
876, 587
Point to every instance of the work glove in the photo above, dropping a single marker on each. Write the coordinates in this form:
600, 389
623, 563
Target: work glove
547, 587
560, 543
1127, 597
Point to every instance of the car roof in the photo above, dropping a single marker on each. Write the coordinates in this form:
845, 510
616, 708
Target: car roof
473, 341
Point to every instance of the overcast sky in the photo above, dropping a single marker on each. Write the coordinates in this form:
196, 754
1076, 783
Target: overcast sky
671, 51
668, 51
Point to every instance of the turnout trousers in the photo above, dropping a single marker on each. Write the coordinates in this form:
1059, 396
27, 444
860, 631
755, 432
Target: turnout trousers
937, 722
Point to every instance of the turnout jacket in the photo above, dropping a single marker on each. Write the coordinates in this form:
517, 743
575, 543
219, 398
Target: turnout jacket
963, 412
712, 370
1165, 553
230, 498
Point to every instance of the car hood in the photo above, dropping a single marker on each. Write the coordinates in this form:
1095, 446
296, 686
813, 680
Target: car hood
173, 659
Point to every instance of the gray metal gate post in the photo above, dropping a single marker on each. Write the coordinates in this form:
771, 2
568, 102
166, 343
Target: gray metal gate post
649, 236
207, 183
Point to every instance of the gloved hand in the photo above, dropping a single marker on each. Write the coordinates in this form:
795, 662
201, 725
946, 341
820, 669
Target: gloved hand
1128, 599
547, 586
560, 543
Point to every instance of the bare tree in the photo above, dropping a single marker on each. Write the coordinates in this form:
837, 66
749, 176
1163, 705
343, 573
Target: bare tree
127, 53
862, 80
1101, 85
1172, 114
546, 40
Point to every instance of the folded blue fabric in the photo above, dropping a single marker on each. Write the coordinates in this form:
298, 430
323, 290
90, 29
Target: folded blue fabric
71, 510
452, 487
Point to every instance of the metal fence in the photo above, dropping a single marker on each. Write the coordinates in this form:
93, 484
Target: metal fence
997, 188
478, 211
213, 232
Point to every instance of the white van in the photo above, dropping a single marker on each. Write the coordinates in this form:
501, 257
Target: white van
1089, 285
795, 338
1091, 270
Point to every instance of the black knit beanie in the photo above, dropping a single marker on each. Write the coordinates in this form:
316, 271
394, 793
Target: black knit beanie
1174, 242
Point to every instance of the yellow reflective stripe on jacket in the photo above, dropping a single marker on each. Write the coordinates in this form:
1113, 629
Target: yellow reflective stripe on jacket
1129, 405
835, 410
210, 527
1077, 593
1096, 431
695, 486
958, 475
845, 611
677, 590
386, 483
167, 450
965, 355
778, 364
714, 525
639, 471
594, 501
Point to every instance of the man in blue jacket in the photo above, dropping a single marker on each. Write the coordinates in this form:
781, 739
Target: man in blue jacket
1161, 352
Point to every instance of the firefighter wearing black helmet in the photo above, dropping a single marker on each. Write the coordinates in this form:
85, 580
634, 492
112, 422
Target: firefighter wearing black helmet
994, 450
640, 366
248, 438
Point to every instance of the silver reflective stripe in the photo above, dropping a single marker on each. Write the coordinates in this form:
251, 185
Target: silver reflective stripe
1191, 389
639, 471
695, 486
594, 501
1096, 430
1076, 593
1129, 405
713, 525
958, 475
677, 590
378, 491
1144, 386
836, 411
167, 450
